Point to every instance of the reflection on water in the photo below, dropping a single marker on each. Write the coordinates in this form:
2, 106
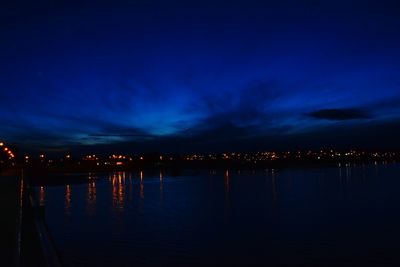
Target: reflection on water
141, 185
118, 183
91, 196
42, 196
130, 184
226, 179
273, 185
123, 186
161, 185
67, 199
303, 216
91, 192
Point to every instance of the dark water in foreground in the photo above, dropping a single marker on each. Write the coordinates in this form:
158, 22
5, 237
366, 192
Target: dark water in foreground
327, 216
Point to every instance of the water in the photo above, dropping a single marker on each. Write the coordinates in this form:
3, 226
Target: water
326, 216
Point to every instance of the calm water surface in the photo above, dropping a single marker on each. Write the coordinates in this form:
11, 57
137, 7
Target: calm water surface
336, 216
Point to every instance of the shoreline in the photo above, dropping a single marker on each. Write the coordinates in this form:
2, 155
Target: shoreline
81, 169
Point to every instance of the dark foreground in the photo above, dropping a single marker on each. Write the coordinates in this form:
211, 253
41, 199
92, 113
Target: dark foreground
25, 240
8, 222
320, 217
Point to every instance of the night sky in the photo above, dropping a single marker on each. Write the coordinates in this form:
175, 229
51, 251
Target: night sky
148, 76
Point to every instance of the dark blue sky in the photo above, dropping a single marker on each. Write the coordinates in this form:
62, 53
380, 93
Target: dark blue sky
208, 76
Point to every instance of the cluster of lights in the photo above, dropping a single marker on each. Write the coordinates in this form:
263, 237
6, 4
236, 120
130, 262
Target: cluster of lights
273, 155
94, 157
7, 150
118, 159
256, 157
91, 157
121, 157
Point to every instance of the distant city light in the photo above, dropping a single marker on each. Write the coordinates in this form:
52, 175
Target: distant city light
245, 159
